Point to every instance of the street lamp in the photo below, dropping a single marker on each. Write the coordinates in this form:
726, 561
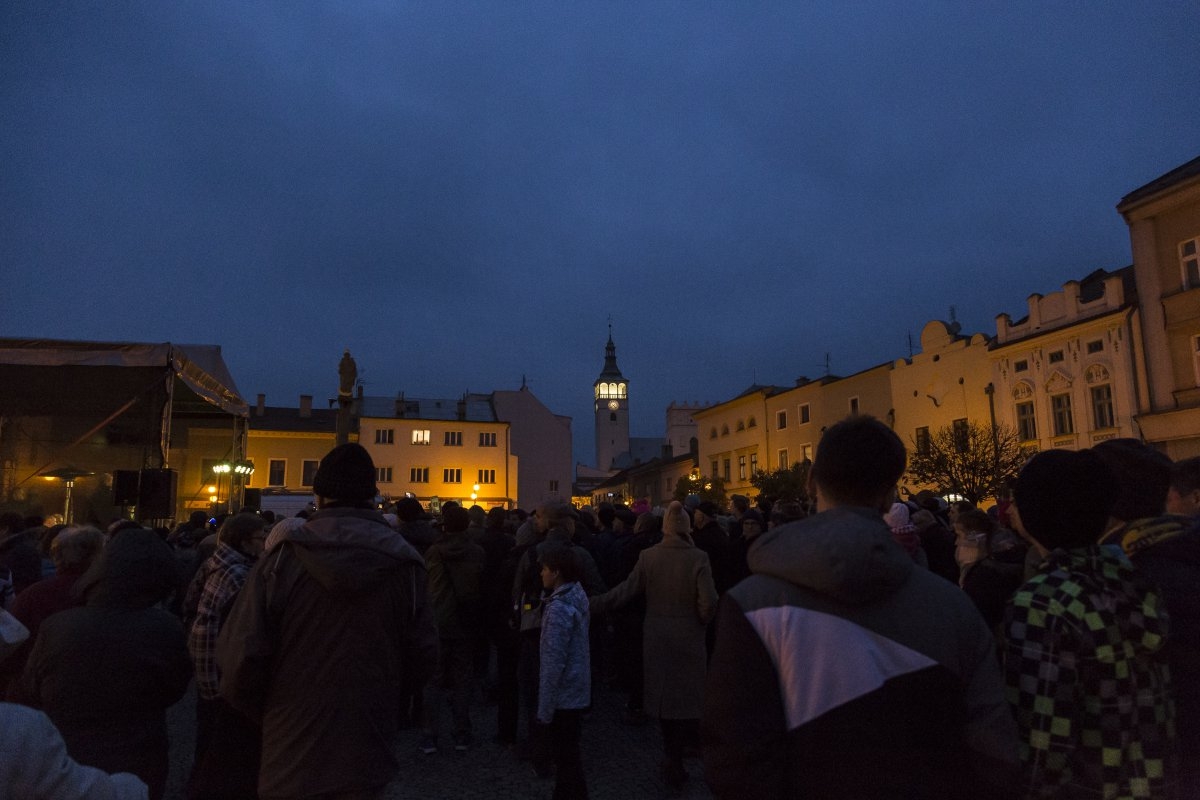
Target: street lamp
474, 492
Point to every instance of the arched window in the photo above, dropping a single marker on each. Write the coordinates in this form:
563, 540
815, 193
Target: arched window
621, 390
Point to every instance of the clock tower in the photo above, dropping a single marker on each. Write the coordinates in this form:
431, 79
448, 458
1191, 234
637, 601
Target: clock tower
610, 397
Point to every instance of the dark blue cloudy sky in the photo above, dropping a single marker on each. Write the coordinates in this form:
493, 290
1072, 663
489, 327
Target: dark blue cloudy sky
463, 194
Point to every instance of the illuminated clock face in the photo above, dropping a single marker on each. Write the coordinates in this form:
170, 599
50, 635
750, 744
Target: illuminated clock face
613, 405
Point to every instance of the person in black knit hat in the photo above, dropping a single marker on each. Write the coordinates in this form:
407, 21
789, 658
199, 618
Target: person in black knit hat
317, 645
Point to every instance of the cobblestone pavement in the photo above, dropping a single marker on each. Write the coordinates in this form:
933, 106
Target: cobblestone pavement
619, 761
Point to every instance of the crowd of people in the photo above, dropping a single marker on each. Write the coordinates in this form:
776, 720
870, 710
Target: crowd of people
847, 644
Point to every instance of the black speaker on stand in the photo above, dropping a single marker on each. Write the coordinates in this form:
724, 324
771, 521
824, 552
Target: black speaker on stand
156, 493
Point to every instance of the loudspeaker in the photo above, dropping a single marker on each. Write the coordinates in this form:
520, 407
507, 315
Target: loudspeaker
251, 499
125, 487
156, 493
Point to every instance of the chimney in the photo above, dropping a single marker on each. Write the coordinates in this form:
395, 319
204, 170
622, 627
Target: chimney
260, 407
462, 407
305, 406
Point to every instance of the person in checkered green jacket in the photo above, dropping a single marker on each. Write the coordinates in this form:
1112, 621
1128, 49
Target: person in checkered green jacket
1083, 645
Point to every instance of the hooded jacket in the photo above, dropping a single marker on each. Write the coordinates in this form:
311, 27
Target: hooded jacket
843, 670
565, 677
317, 645
1085, 678
107, 672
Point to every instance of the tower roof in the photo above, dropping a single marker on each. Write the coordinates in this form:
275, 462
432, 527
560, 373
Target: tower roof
610, 372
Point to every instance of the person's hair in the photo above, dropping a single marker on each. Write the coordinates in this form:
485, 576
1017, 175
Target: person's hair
75, 548
562, 559
962, 506
1185, 475
239, 529
455, 518
496, 517
858, 462
1064, 497
785, 511
647, 522
976, 521
556, 513
478, 515
740, 502
409, 509
1143, 477
606, 513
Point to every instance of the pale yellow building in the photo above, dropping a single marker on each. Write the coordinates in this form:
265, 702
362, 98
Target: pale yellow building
1066, 374
732, 438
1164, 231
439, 450
947, 383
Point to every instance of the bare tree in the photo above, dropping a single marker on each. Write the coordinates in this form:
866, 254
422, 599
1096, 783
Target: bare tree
973, 460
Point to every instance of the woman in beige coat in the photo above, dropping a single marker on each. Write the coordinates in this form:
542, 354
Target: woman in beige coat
676, 579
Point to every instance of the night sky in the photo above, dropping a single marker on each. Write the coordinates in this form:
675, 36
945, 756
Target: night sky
464, 194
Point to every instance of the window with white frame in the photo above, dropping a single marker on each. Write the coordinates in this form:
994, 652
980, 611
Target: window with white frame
452, 439
1102, 407
308, 472
385, 435
487, 439
781, 420
783, 458
277, 472
1060, 408
725, 463
753, 463
1189, 263
383, 474
452, 475
804, 414
420, 437
741, 468
487, 476
806, 453
418, 475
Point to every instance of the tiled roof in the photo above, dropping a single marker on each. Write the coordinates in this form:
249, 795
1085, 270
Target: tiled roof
277, 418
474, 408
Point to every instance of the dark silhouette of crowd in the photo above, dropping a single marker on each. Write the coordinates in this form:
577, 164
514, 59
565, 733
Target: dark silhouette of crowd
848, 643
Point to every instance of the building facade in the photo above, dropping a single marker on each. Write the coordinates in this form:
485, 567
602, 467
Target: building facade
1164, 232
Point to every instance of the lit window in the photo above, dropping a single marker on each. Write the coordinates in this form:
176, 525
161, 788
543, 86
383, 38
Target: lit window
1102, 407
452, 439
418, 475
487, 476
420, 437
487, 439
309, 472
1026, 421
804, 418
451, 475
384, 436
1064, 422
1189, 263
781, 420
383, 474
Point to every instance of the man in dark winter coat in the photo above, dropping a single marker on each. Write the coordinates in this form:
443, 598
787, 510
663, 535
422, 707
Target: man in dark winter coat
320, 636
828, 679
